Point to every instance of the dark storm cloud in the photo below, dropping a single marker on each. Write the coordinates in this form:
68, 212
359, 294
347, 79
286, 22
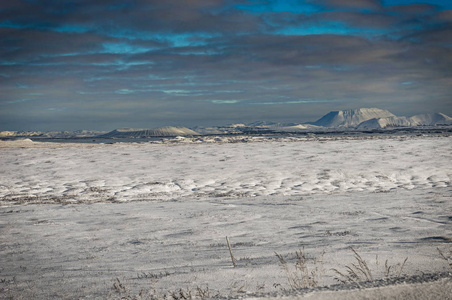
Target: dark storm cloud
413, 9
116, 16
199, 62
389, 18
445, 16
353, 4
28, 44
361, 20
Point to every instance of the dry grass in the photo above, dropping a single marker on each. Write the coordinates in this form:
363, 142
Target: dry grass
447, 257
360, 270
120, 291
301, 275
301, 272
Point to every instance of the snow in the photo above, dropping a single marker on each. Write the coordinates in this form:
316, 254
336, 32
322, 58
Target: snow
7, 133
352, 117
163, 131
171, 171
431, 119
441, 289
417, 120
385, 122
295, 128
155, 216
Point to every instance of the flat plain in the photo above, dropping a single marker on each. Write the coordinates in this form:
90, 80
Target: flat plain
108, 221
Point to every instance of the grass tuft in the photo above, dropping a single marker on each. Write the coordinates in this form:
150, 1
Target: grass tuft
360, 271
120, 291
447, 257
301, 276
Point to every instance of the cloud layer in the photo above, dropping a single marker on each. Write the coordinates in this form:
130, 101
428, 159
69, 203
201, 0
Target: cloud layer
146, 63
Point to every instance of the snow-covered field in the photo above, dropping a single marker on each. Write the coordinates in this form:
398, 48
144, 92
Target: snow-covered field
155, 216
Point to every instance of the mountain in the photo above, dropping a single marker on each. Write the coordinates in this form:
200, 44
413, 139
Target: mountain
433, 119
143, 133
379, 123
351, 117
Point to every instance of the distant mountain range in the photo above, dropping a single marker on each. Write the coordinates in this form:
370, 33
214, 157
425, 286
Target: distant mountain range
360, 119
352, 119
375, 118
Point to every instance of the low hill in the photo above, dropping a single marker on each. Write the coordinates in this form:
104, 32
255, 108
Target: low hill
379, 123
295, 128
351, 118
143, 133
52, 134
433, 119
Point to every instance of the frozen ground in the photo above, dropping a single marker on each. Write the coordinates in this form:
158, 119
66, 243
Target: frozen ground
388, 196
128, 172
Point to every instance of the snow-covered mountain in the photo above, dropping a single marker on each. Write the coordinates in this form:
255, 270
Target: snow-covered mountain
378, 123
361, 118
343, 120
433, 119
351, 118
140, 133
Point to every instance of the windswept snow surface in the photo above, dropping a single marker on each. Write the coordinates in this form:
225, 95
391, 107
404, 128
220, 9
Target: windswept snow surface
388, 196
123, 172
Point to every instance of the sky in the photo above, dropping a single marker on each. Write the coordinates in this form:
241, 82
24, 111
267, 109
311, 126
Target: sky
106, 64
